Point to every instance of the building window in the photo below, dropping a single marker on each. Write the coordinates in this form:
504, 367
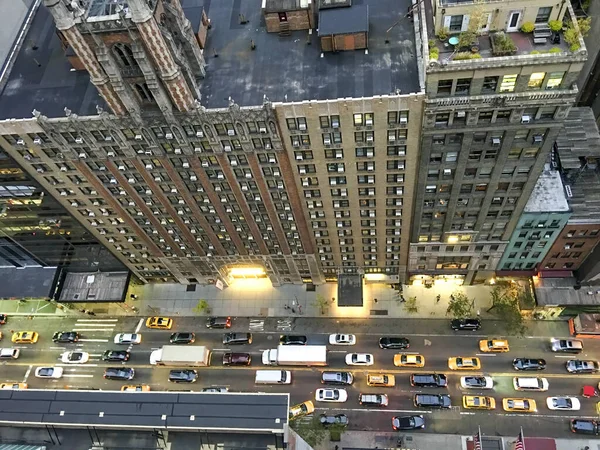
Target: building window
515, 153
543, 15
554, 80
530, 152
456, 23
485, 116
442, 119
503, 115
547, 113
462, 86
536, 80
124, 55
144, 93
444, 86
490, 84
508, 83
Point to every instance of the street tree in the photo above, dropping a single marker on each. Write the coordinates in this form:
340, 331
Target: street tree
460, 306
309, 429
506, 297
321, 303
411, 305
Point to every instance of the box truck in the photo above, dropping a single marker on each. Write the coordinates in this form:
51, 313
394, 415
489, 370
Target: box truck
181, 356
296, 355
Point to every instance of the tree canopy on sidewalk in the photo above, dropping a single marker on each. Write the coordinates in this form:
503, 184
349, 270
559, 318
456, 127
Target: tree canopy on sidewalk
506, 297
460, 306
309, 429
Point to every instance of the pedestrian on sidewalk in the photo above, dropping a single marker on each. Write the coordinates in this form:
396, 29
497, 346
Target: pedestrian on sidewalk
299, 309
438, 298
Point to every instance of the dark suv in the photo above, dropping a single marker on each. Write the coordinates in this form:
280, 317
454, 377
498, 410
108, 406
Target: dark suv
66, 337
340, 378
237, 338
115, 355
236, 359
428, 380
433, 401
183, 376
121, 373
218, 322
182, 338
465, 324
529, 364
583, 426
394, 343
287, 339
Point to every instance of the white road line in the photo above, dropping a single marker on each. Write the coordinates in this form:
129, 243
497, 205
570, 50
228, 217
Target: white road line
484, 354
93, 340
139, 326
380, 410
222, 350
105, 325
338, 351
58, 348
109, 330
77, 365
75, 375
27, 374
97, 320
96, 355
563, 356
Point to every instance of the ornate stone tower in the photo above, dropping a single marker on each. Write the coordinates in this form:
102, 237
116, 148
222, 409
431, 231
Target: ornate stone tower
142, 55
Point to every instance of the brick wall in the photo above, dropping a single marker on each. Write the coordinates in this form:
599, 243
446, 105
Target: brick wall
297, 20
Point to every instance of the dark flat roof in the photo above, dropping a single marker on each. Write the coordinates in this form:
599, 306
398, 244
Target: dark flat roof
350, 292
354, 19
231, 412
287, 66
279, 66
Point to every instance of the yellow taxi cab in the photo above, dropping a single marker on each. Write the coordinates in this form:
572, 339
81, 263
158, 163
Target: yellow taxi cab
494, 345
381, 379
136, 388
301, 409
162, 323
25, 337
478, 402
461, 363
13, 386
525, 405
407, 360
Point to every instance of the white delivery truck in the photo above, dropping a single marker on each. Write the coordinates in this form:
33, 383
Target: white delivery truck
296, 355
181, 356
273, 377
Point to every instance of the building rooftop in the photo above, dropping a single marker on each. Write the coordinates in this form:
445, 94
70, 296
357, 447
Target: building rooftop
344, 20
281, 68
548, 194
579, 138
287, 68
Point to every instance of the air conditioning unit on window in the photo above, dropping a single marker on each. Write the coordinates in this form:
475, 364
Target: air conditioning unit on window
302, 126
199, 134
169, 136
40, 170
305, 183
79, 140
82, 155
110, 154
537, 139
335, 124
227, 148
369, 138
233, 163
193, 178
186, 165
157, 179
205, 164
496, 141
122, 168
272, 160
368, 122
327, 140
525, 119
108, 138
37, 141
177, 151
268, 145
138, 137
230, 132
299, 157
263, 130
149, 166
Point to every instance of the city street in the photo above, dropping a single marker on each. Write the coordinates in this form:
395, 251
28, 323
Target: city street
430, 341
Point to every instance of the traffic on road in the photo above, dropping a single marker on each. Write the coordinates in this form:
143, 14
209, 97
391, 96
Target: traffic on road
432, 383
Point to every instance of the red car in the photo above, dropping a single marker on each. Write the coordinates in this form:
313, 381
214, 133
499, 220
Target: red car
236, 359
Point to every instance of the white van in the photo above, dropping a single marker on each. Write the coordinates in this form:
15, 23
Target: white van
273, 377
530, 384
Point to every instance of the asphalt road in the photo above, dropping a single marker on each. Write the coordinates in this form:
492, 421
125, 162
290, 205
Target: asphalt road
98, 333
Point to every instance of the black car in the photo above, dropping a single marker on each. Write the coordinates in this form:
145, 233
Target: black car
65, 337
433, 401
338, 419
287, 339
428, 380
183, 376
182, 338
394, 343
121, 373
115, 355
466, 324
583, 426
237, 338
529, 364
218, 322
408, 422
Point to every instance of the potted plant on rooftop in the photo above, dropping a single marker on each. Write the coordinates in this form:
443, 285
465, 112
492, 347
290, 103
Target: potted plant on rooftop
443, 33
468, 38
555, 25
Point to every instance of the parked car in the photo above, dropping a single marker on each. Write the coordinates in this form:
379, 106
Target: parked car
182, 338
529, 364
237, 338
12, 386
65, 337
215, 389
302, 409
580, 366
584, 426
331, 395
287, 339
359, 359
465, 324
9, 353
119, 373
408, 423
476, 382
525, 405
236, 359
183, 376
394, 343
115, 355
566, 345
440, 401
428, 380
136, 388
218, 322
342, 339
339, 419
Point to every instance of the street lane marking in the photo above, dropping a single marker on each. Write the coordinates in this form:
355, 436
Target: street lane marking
484, 354
76, 365
378, 410
93, 340
75, 375
97, 320
58, 348
93, 329
139, 326
564, 356
96, 354
221, 350
91, 325
27, 374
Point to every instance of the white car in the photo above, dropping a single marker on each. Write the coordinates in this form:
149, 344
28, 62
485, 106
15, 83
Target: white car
128, 338
49, 372
359, 359
563, 403
331, 395
342, 339
75, 357
476, 382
